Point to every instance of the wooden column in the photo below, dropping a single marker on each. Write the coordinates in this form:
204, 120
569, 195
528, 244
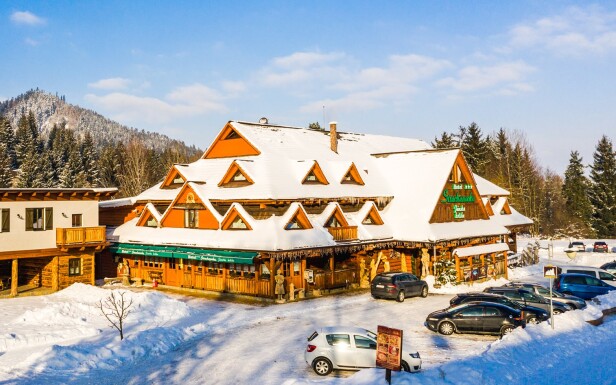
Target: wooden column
506, 267
93, 280
14, 278
272, 274
459, 276
331, 268
55, 274
303, 269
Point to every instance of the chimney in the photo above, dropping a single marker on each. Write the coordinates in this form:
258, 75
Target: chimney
333, 136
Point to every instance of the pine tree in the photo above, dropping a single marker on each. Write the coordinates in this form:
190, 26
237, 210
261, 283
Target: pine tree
109, 164
6, 175
553, 208
89, 157
602, 193
575, 192
7, 136
475, 148
446, 141
28, 151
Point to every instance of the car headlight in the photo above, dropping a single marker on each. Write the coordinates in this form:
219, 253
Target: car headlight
432, 319
414, 355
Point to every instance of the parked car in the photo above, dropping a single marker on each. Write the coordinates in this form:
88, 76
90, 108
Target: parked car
398, 285
532, 314
588, 270
581, 285
525, 297
351, 348
477, 318
577, 246
571, 300
610, 267
600, 247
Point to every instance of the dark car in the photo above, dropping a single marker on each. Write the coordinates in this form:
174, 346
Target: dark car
476, 318
571, 300
525, 297
532, 314
581, 285
599, 247
398, 285
610, 267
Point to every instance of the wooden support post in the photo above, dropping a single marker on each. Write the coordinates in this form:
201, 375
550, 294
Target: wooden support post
55, 274
93, 279
403, 263
14, 278
331, 268
272, 274
506, 266
459, 276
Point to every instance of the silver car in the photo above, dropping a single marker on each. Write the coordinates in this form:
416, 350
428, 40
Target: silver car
349, 348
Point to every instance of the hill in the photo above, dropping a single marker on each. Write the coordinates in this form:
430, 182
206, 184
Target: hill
50, 110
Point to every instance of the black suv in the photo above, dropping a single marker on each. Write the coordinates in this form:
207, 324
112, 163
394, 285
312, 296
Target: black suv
398, 285
532, 314
525, 297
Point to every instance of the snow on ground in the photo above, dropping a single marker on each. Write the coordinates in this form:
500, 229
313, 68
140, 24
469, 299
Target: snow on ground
172, 339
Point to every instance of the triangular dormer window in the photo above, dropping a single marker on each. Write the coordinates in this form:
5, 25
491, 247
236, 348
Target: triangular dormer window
315, 175
299, 221
336, 220
456, 175
234, 221
235, 177
151, 222
231, 135
373, 218
506, 210
178, 180
352, 176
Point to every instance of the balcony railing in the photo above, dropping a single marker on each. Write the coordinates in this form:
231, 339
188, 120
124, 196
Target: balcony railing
80, 236
345, 233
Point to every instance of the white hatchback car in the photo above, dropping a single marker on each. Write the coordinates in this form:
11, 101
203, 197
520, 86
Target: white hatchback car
348, 348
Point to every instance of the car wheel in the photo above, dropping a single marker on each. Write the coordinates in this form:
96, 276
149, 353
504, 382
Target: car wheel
406, 366
322, 366
446, 328
506, 330
400, 297
558, 311
424, 291
532, 320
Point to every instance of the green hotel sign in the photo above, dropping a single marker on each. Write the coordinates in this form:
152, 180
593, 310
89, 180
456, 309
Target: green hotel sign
220, 256
458, 199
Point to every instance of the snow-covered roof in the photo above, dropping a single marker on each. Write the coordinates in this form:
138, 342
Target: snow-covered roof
406, 169
481, 249
487, 188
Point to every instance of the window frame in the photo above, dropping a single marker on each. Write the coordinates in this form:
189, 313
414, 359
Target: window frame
80, 220
75, 267
5, 220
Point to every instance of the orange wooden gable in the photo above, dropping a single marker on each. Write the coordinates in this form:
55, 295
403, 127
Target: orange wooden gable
352, 176
373, 217
174, 179
336, 219
187, 199
234, 221
235, 177
315, 175
506, 210
299, 221
145, 217
489, 208
230, 143
459, 199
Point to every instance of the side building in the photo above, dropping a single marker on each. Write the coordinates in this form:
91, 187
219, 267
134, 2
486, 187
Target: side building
323, 208
48, 237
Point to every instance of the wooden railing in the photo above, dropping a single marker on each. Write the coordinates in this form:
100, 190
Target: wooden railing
80, 236
345, 233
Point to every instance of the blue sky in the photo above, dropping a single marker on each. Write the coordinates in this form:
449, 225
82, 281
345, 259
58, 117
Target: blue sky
541, 69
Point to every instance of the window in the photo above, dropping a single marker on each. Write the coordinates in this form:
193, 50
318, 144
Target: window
5, 219
74, 267
264, 272
76, 221
333, 222
191, 218
472, 312
338, 339
238, 224
151, 222
311, 178
492, 312
38, 219
364, 343
178, 180
238, 177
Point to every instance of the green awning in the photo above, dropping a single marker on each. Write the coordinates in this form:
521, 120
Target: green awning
147, 250
220, 256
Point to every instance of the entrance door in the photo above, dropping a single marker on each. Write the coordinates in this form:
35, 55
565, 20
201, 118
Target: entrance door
173, 272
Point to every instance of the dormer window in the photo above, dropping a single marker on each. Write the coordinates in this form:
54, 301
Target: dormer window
315, 175
191, 218
373, 217
238, 224
151, 222
352, 176
239, 177
231, 135
299, 221
235, 177
333, 222
178, 180
311, 178
368, 221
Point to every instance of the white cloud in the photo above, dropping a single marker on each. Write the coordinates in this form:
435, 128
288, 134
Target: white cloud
26, 18
575, 32
110, 84
503, 76
307, 74
31, 42
183, 102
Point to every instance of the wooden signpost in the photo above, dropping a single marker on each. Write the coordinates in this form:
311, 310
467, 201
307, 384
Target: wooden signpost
389, 350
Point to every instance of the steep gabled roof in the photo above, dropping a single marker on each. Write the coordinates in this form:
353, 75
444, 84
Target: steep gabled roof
149, 211
487, 188
296, 218
237, 213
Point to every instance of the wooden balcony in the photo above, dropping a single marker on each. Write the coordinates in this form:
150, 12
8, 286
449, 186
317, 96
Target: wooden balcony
345, 233
80, 237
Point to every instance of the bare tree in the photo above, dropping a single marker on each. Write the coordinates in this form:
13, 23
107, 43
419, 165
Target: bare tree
116, 309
